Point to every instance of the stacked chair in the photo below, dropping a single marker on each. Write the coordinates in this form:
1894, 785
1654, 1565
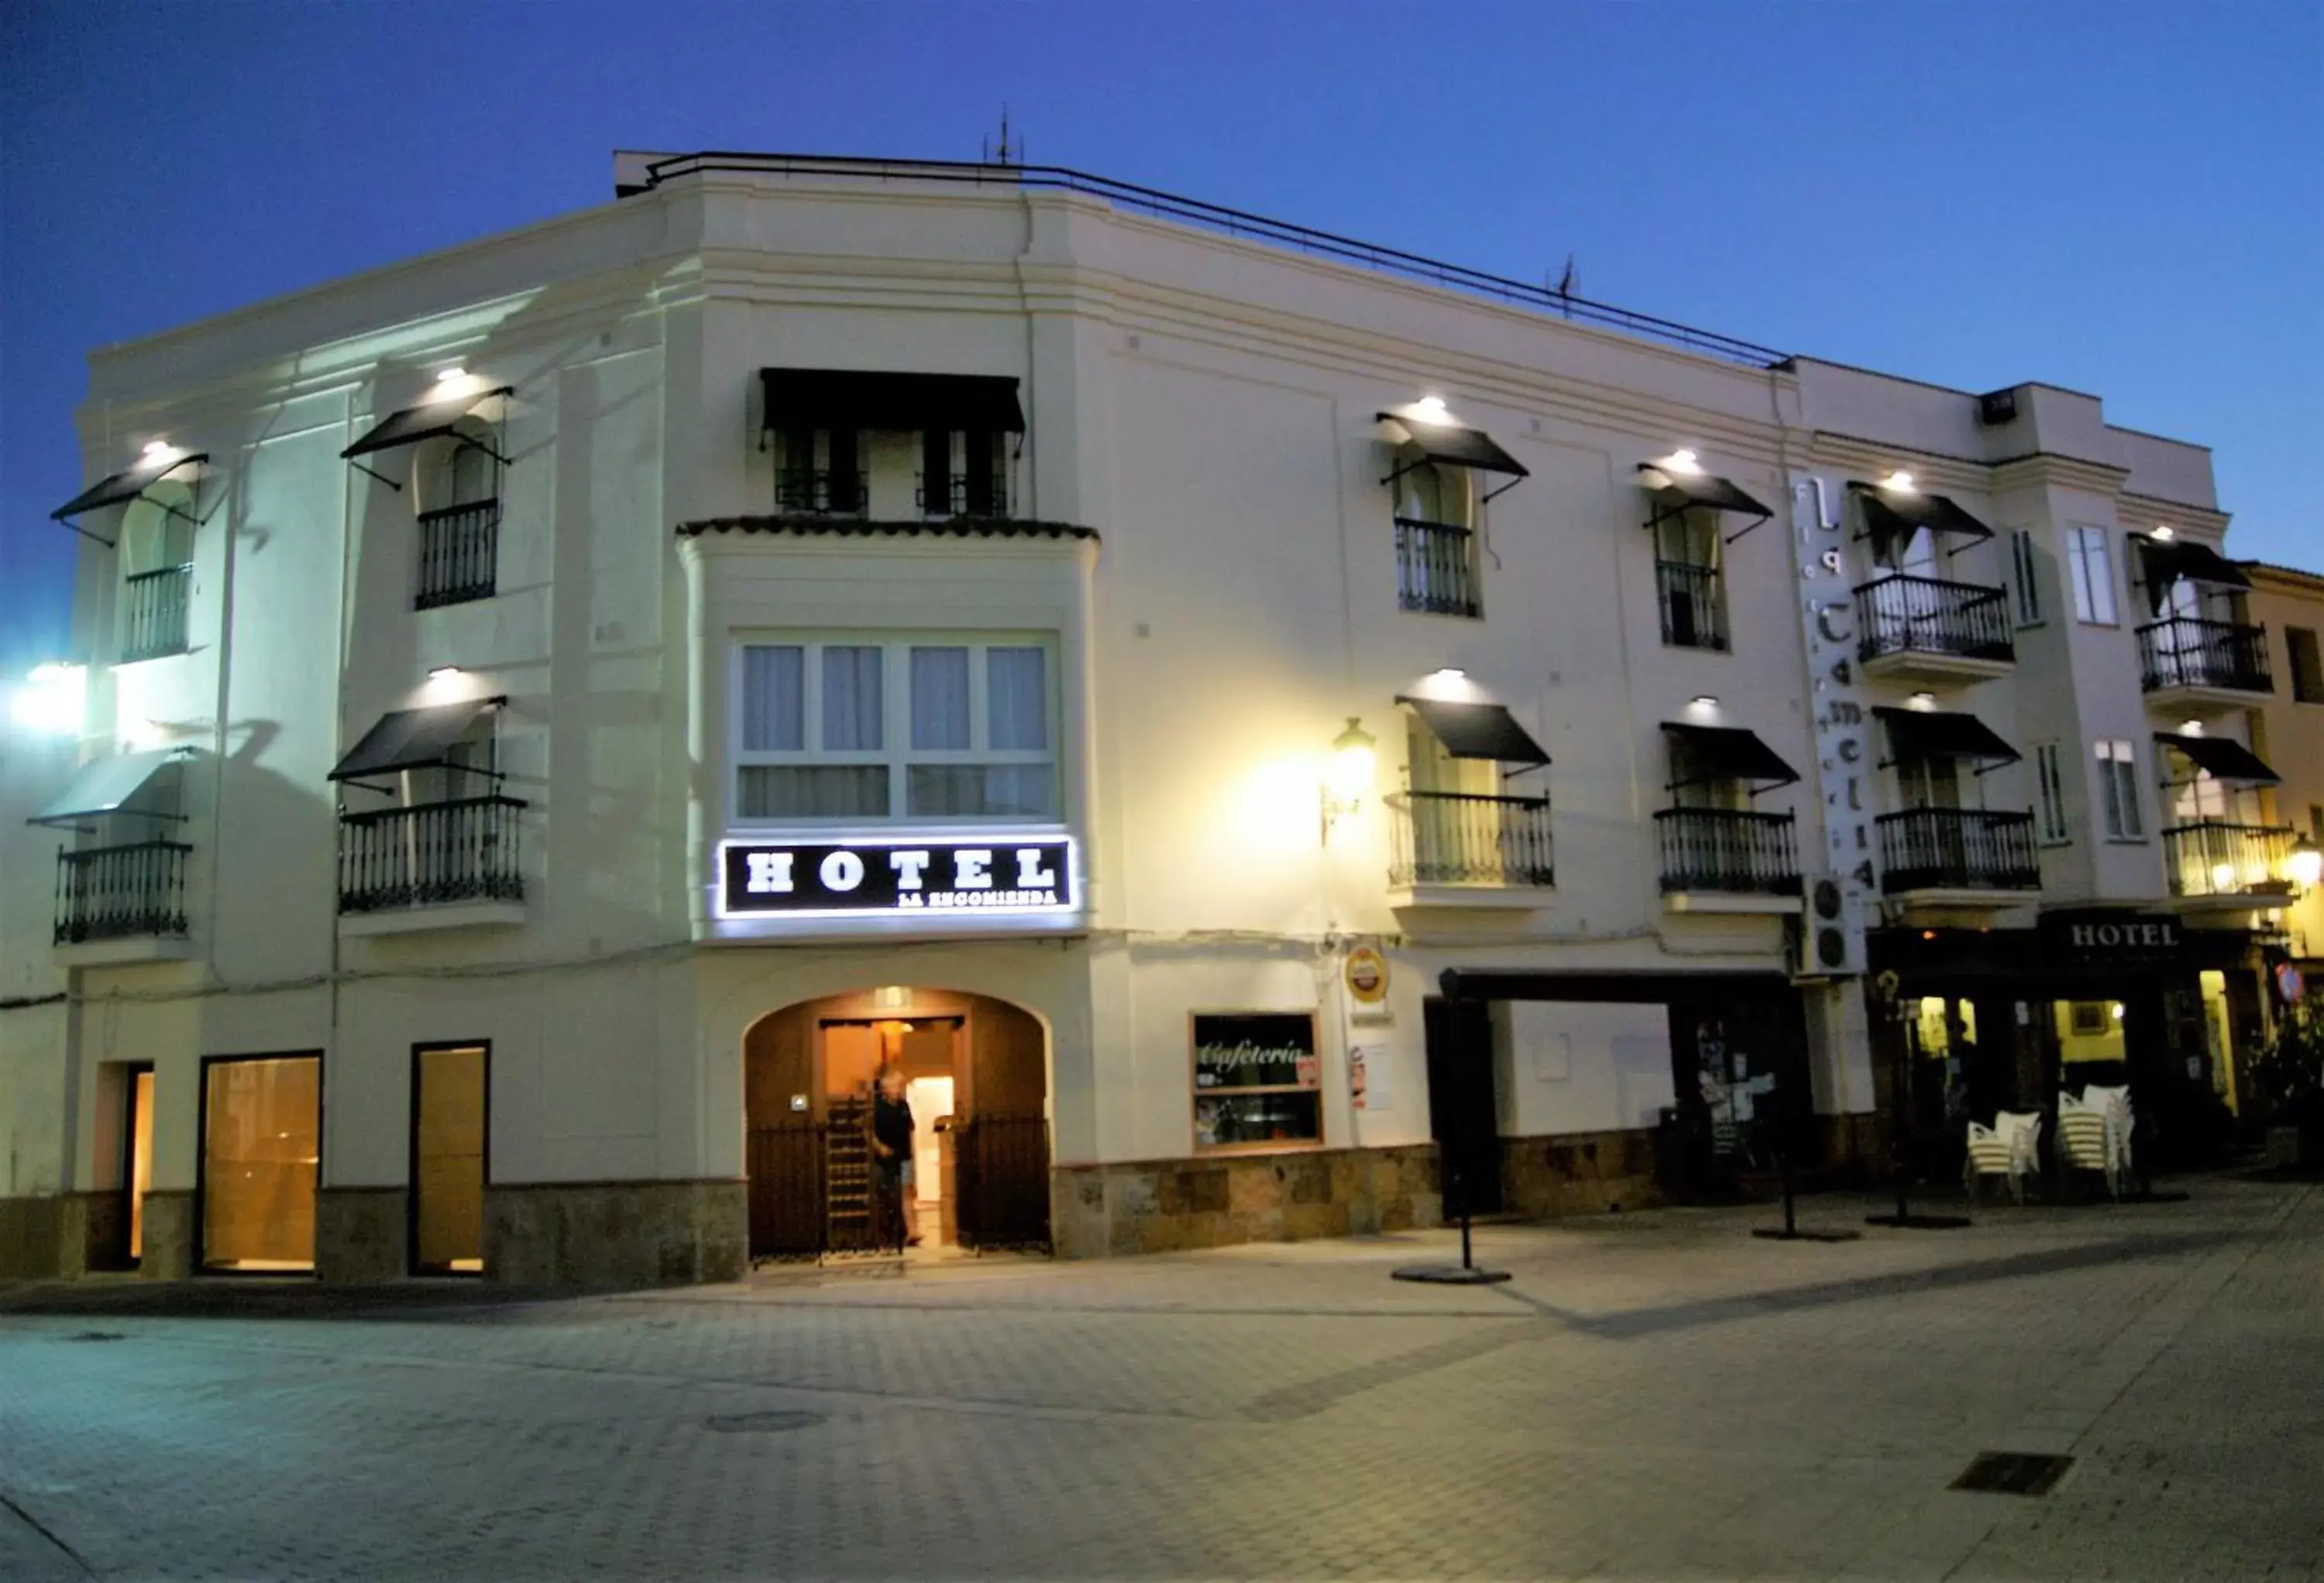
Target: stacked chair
2094, 1133
2010, 1148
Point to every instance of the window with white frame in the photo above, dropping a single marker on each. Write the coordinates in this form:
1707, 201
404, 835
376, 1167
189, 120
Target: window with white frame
2117, 769
2049, 775
955, 727
2093, 576
2023, 583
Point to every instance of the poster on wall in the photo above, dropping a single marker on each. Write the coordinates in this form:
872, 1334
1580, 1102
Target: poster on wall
1256, 1079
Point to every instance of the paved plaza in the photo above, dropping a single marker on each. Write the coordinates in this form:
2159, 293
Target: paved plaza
1653, 1396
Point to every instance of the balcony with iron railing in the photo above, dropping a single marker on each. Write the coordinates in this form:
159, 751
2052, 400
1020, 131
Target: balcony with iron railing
1928, 628
459, 554
1693, 601
1967, 849
127, 892
2214, 861
963, 495
822, 492
460, 855
1727, 853
153, 612
2187, 658
1469, 844
1436, 568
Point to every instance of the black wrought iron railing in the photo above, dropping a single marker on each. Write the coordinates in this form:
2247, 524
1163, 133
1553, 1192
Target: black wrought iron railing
963, 496
153, 612
1123, 194
819, 489
459, 554
1902, 614
1958, 849
459, 851
2213, 858
1454, 838
1436, 568
121, 892
2185, 651
1693, 601
1728, 850
1001, 1166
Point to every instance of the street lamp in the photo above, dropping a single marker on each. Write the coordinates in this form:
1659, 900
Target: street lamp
2305, 866
1349, 776
49, 700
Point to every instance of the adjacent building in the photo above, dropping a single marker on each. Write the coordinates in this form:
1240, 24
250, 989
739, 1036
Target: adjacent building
1272, 737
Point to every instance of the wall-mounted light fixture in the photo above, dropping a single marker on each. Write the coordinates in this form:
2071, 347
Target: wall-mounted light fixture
1684, 462
1703, 701
1900, 481
1348, 775
2163, 531
446, 673
49, 700
2305, 864
1432, 409
1922, 700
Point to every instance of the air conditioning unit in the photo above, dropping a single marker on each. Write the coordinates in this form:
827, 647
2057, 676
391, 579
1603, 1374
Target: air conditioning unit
1829, 941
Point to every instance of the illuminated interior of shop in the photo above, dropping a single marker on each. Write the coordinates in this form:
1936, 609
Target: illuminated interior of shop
261, 1143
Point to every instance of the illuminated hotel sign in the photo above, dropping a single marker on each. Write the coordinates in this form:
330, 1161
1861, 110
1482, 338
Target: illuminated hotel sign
897, 877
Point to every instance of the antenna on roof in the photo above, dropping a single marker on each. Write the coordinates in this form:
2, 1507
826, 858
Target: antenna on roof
1568, 284
1004, 154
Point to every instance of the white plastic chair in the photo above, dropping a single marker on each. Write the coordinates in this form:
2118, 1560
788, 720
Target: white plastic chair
2093, 1134
2009, 1148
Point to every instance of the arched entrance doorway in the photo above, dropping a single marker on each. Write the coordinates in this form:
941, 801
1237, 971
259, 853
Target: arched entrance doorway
976, 1076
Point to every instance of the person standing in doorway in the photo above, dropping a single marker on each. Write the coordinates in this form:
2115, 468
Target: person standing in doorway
891, 1149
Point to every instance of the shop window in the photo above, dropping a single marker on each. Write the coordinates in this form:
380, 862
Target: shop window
262, 1131
2049, 778
2118, 772
1258, 1081
2089, 1031
448, 1110
956, 729
2093, 574
2307, 668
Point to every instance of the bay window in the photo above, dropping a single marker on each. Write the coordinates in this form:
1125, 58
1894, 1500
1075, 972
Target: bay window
951, 728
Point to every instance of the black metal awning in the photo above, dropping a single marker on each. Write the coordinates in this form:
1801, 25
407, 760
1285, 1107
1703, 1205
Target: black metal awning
120, 488
1721, 752
428, 422
1934, 733
2225, 757
1679, 492
2165, 561
842, 398
1450, 445
1479, 731
1893, 514
107, 785
412, 738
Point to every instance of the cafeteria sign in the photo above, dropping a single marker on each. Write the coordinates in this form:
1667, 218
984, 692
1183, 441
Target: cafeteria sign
891, 877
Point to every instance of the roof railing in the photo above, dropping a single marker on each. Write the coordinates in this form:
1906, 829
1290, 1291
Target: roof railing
1237, 223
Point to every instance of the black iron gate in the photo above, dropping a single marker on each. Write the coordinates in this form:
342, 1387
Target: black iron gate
786, 1163
1001, 1170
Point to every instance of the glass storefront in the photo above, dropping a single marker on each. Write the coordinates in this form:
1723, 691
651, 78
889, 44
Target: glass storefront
262, 1133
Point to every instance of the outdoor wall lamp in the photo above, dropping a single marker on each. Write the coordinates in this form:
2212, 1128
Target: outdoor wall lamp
2305, 866
50, 699
1349, 776
1899, 481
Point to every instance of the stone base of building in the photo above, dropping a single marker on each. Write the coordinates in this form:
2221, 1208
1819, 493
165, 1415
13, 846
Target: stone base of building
32, 1239
617, 1234
168, 1243
1159, 1206
1578, 1173
361, 1235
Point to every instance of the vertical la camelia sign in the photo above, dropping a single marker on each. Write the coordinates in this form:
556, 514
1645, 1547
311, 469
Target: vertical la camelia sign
889, 877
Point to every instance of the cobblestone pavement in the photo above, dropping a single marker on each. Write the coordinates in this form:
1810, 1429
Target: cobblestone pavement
1654, 1396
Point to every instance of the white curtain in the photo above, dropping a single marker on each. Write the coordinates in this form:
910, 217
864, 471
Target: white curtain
774, 717
851, 698
940, 699
1016, 700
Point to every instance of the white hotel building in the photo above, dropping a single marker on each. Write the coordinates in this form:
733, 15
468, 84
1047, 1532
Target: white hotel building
556, 715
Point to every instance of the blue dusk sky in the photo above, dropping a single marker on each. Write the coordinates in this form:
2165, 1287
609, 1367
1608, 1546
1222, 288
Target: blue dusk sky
2125, 199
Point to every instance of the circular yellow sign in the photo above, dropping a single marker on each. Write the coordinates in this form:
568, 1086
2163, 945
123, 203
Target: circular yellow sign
1367, 974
